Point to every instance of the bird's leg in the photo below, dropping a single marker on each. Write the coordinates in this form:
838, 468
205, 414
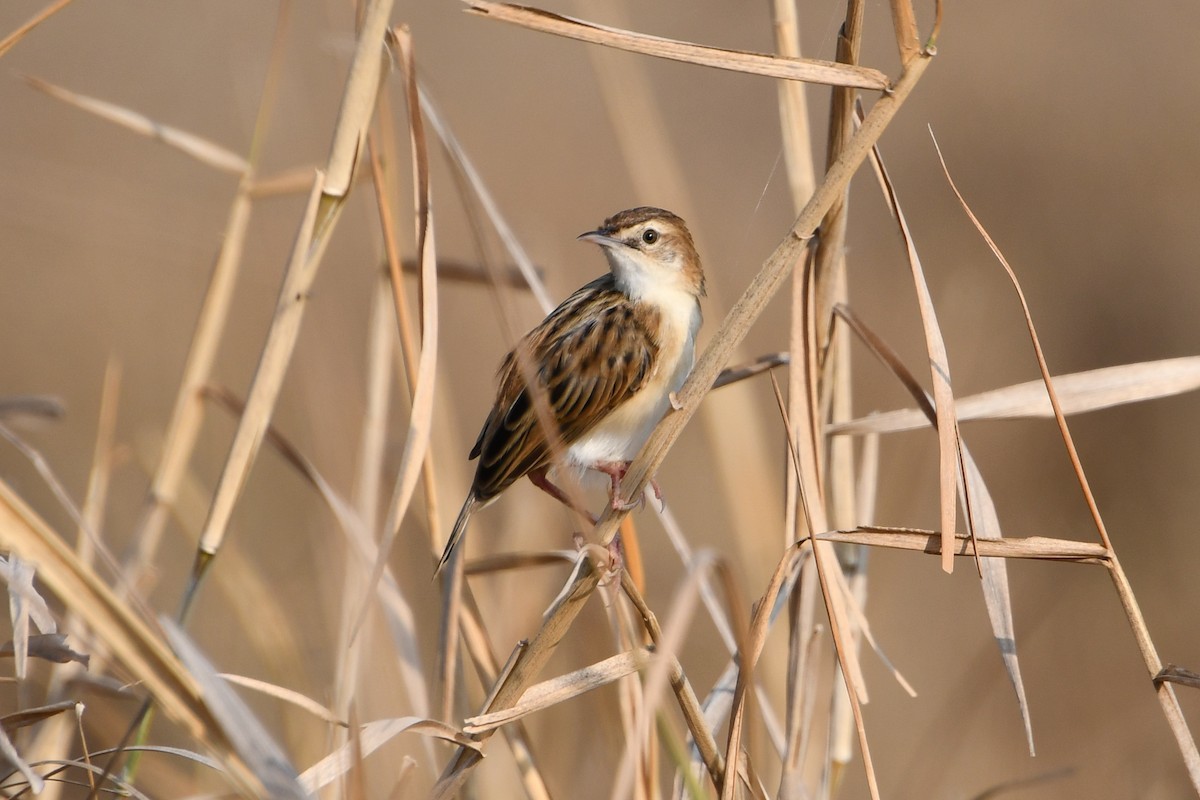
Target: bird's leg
616, 555
538, 476
615, 470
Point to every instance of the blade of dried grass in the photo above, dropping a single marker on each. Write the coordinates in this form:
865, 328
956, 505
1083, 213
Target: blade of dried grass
48, 647
43, 406
46, 472
366, 502
146, 657
925, 541
758, 366
46, 13
187, 413
533, 657
9, 752
724, 628
32, 716
565, 687
358, 100
24, 605
830, 372
290, 696
487, 667
1137, 623
1180, 675
416, 444
396, 610
1078, 393
981, 511
268, 378
199, 148
459, 156
811, 70
667, 641
383, 158
793, 108
248, 736
949, 456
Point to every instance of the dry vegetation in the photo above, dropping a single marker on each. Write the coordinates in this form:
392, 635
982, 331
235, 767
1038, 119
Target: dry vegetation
229, 593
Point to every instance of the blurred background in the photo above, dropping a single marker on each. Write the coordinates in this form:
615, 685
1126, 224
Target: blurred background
1070, 128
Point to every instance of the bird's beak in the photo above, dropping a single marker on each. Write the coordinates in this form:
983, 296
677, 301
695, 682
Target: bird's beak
600, 238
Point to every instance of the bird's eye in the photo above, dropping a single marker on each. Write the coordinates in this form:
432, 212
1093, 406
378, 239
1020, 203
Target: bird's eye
649, 236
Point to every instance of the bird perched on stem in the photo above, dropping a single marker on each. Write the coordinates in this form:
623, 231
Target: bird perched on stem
585, 388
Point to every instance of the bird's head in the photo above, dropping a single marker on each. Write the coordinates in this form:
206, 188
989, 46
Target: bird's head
649, 249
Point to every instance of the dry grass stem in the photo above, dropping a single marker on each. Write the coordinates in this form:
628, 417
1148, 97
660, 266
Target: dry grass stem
204, 151
923, 541
8, 42
810, 70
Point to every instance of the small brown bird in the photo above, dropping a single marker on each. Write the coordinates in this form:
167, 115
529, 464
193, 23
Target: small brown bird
606, 364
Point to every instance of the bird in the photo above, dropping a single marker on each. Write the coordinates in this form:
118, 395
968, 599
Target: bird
595, 377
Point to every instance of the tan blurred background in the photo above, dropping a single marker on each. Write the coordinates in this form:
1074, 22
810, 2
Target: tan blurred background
1071, 128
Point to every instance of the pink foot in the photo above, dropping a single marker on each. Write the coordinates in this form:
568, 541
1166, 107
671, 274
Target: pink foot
615, 470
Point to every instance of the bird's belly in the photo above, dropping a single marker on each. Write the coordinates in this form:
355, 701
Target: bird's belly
620, 435
623, 432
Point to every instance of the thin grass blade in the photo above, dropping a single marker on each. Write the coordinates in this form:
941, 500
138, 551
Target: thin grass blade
797, 69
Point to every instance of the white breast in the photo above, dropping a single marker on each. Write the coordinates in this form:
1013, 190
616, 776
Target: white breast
622, 433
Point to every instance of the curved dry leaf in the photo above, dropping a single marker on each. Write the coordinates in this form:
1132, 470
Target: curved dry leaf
286, 695
949, 445
49, 647
371, 737
8, 752
32, 716
249, 737
41, 406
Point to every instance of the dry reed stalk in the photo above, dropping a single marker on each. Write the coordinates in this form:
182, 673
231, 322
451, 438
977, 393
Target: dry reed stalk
8, 42
203, 150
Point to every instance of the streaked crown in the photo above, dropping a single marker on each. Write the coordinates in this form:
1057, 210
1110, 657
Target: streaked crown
653, 238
